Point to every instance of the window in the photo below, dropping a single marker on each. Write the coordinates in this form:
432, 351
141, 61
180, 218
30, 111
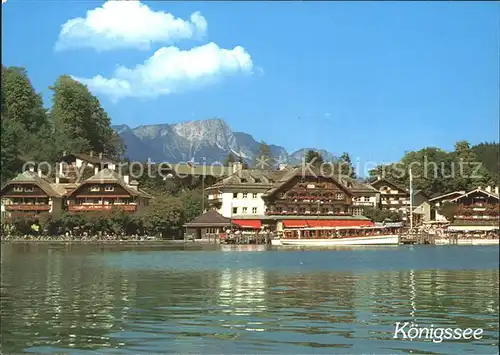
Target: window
254, 195
357, 211
235, 210
254, 210
235, 195
18, 189
367, 199
29, 189
109, 188
244, 181
279, 209
244, 210
258, 181
95, 188
324, 210
339, 196
302, 210
245, 195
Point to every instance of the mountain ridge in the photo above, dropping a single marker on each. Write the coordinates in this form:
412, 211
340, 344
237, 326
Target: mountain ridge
209, 140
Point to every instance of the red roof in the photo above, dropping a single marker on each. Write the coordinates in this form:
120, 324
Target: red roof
248, 223
293, 223
327, 223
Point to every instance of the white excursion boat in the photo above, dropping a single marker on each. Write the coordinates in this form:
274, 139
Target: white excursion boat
338, 236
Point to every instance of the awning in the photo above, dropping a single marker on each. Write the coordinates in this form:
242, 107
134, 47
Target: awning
295, 223
248, 223
313, 223
339, 223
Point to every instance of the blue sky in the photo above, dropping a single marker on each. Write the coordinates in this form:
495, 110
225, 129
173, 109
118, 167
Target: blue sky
371, 78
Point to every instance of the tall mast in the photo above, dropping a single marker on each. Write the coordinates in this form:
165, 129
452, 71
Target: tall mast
411, 200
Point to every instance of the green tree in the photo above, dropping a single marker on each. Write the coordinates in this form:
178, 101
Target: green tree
20, 102
230, 159
313, 157
346, 167
448, 210
164, 216
489, 155
264, 158
192, 201
9, 150
81, 115
244, 164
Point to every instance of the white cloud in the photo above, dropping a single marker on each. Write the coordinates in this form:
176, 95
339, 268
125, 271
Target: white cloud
128, 24
171, 70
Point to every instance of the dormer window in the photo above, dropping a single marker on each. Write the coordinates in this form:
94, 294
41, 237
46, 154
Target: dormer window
339, 196
109, 188
18, 189
29, 189
258, 181
244, 180
95, 188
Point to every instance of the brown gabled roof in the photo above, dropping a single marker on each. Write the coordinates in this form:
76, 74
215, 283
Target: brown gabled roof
389, 182
476, 190
457, 193
94, 159
110, 176
305, 172
30, 177
211, 218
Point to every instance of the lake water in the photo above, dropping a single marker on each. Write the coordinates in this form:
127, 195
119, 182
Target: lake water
137, 299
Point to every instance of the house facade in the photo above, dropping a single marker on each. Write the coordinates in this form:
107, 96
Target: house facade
287, 192
105, 191
29, 194
303, 192
241, 194
392, 196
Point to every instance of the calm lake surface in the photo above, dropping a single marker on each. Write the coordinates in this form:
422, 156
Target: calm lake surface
137, 299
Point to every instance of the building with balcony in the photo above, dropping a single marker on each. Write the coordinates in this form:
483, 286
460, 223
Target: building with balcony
364, 196
240, 194
29, 193
478, 205
107, 190
254, 198
392, 196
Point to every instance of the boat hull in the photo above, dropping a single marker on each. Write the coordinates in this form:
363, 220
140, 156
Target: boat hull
392, 239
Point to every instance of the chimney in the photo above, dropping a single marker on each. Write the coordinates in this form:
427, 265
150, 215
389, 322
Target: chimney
282, 166
64, 153
480, 187
91, 153
496, 190
134, 184
237, 166
488, 189
57, 178
39, 171
31, 168
96, 170
126, 179
100, 156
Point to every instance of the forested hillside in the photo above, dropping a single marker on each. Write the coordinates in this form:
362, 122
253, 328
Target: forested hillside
436, 171
75, 122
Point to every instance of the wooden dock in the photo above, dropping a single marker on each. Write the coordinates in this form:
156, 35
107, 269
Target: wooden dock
417, 238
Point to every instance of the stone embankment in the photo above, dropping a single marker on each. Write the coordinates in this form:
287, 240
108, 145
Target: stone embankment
79, 239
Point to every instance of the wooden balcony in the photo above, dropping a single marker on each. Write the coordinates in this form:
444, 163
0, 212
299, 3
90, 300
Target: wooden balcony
26, 207
98, 207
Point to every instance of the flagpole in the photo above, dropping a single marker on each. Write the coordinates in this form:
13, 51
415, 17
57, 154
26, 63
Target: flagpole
411, 201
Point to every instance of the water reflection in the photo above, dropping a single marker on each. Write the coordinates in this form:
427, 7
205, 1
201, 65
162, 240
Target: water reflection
65, 299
